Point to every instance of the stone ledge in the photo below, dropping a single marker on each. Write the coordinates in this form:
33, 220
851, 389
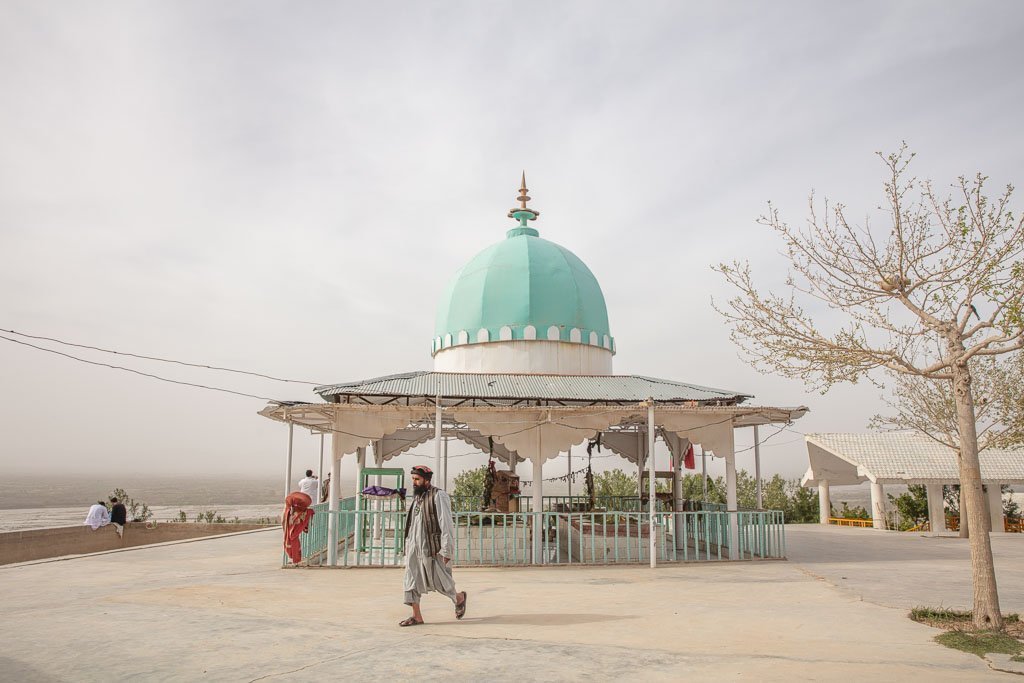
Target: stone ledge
38, 544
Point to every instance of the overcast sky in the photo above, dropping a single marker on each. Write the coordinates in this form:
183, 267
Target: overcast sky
287, 186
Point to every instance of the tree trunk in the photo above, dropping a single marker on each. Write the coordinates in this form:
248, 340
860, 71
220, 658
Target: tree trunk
965, 528
988, 515
972, 500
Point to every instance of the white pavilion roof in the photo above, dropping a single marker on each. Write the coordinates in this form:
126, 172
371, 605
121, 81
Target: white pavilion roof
899, 457
523, 386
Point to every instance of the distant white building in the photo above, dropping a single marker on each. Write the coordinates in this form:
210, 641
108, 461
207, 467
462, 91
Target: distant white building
883, 458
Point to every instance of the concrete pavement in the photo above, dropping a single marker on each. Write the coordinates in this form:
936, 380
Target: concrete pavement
222, 609
905, 570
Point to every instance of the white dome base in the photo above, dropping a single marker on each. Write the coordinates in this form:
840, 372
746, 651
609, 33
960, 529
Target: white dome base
538, 357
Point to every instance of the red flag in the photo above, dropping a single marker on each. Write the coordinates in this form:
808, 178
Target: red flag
688, 462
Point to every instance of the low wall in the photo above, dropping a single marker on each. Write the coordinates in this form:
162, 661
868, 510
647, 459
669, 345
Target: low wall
38, 544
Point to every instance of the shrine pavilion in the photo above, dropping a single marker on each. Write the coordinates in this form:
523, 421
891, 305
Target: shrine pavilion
523, 372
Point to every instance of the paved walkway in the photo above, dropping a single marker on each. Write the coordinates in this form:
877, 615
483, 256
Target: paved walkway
222, 610
905, 569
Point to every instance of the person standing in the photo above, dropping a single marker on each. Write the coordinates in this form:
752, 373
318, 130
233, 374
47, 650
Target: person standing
325, 490
118, 515
98, 516
429, 540
310, 486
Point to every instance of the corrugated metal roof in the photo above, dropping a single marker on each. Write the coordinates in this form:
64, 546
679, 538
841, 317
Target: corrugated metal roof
522, 386
910, 456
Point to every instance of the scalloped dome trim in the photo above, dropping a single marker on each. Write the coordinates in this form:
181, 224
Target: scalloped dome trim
573, 335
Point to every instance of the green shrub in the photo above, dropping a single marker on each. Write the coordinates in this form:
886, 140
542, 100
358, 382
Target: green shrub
137, 510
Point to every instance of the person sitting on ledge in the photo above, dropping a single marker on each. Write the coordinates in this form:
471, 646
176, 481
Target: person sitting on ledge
118, 516
98, 516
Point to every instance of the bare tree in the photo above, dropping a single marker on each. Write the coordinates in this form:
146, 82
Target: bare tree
943, 284
928, 406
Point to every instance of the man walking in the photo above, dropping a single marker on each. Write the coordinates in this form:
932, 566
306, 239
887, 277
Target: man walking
310, 486
429, 540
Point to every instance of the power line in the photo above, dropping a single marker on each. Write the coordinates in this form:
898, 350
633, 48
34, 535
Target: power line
219, 389
531, 425
143, 374
157, 358
775, 433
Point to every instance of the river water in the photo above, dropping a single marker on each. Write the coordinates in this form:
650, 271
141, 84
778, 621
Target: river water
32, 502
36, 518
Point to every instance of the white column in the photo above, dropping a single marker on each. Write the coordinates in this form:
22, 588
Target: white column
444, 469
936, 509
378, 504
730, 498
757, 468
995, 507
639, 466
320, 472
333, 501
360, 519
437, 437
515, 502
877, 505
650, 483
570, 478
538, 507
360, 466
288, 467
824, 502
677, 491
704, 471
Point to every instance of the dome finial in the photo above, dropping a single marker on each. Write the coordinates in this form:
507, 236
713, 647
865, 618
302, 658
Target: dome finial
522, 213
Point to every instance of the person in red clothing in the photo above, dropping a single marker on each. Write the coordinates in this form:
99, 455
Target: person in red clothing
295, 520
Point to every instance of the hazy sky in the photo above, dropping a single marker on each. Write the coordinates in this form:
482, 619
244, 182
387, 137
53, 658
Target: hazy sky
287, 186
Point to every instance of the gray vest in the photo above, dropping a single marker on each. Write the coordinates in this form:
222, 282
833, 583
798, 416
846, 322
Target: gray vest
429, 513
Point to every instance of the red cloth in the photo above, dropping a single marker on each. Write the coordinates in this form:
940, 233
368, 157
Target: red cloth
688, 461
295, 521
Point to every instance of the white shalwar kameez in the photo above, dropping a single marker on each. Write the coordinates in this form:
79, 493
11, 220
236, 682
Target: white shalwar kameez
424, 573
98, 516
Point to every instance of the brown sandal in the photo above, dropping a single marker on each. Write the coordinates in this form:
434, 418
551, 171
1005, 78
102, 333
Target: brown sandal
460, 610
411, 621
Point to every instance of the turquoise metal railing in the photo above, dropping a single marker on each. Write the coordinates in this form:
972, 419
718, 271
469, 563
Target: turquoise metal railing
762, 533
371, 530
609, 537
570, 503
385, 545
491, 538
314, 541
593, 537
375, 536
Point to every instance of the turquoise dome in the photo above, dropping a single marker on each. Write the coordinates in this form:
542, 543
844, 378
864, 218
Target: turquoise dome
521, 281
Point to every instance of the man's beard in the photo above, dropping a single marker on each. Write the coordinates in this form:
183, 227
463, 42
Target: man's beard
420, 490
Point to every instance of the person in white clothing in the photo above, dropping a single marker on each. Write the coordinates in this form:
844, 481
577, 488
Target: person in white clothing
310, 486
98, 516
